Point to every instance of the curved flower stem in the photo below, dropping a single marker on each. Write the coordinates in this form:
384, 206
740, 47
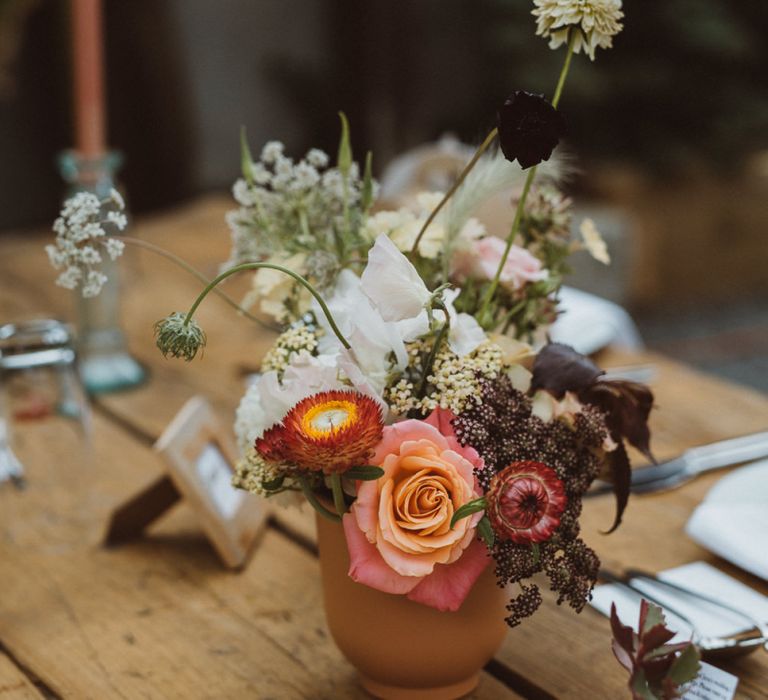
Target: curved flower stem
482, 314
269, 266
315, 503
462, 175
338, 494
194, 272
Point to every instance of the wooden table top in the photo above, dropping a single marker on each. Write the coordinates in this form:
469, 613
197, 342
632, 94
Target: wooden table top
161, 618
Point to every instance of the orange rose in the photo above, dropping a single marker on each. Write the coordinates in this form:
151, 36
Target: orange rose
398, 532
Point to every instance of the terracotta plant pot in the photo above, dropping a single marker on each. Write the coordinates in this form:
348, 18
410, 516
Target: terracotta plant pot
403, 650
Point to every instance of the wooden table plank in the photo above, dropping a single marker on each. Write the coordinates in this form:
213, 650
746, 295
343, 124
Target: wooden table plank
158, 617
549, 652
14, 685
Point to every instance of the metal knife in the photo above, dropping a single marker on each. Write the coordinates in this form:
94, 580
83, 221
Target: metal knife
693, 462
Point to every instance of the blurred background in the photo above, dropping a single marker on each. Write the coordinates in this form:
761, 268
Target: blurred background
670, 128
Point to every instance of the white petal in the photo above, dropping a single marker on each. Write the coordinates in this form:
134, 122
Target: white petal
392, 282
466, 334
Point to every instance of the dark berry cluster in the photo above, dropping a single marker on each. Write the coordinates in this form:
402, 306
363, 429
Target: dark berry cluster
523, 605
503, 430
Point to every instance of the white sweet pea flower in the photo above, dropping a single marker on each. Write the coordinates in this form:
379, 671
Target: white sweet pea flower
374, 341
465, 333
392, 283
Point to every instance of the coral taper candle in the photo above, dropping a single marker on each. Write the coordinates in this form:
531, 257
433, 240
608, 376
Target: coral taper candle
88, 63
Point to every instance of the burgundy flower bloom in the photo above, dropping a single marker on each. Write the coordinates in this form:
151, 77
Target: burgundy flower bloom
529, 128
525, 502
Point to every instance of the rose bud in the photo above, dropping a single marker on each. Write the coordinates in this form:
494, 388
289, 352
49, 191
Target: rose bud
525, 502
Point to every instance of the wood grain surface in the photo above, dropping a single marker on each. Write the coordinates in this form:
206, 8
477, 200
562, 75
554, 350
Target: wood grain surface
160, 617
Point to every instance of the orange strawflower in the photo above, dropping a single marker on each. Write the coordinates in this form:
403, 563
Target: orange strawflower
329, 432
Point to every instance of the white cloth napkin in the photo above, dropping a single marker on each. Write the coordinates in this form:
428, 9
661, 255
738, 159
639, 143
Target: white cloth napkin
732, 521
588, 323
707, 619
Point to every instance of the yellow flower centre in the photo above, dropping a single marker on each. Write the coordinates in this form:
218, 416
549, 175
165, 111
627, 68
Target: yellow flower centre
328, 417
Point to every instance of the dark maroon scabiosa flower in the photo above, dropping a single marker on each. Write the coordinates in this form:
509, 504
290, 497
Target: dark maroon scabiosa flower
529, 128
525, 502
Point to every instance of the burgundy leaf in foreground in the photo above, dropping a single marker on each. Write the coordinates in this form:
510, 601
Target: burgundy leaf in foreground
559, 368
627, 406
657, 670
621, 478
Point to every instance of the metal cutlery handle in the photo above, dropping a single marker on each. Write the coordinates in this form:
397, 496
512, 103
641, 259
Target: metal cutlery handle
759, 625
725, 452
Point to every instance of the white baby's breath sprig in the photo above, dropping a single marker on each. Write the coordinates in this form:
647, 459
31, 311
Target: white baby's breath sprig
595, 23
82, 232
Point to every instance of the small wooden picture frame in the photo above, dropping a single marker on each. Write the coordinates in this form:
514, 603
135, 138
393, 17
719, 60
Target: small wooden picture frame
200, 457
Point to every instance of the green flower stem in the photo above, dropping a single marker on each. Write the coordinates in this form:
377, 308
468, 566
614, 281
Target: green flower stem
488, 297
270, 266
315, 503
441, 336
338, 494
564, 71
462, 176
194, 272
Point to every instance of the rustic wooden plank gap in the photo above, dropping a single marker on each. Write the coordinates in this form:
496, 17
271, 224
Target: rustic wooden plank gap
20, 683
516, 682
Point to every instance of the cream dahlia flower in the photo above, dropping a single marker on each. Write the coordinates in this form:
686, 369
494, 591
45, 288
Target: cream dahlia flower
598, 21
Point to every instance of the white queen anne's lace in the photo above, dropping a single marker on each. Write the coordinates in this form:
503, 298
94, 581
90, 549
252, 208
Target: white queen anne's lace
598, 21
81, 234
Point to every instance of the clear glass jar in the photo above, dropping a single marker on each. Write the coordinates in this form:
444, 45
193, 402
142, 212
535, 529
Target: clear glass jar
44, 411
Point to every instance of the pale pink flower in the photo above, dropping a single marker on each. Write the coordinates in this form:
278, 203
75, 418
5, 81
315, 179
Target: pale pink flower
520, 267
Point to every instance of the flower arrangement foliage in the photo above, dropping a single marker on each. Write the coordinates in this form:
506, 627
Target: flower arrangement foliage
658, 670
410, 396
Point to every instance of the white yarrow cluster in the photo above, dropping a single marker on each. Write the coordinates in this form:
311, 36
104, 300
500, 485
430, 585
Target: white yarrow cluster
597, 22
454, 382
81, 237
287, 205
287, 346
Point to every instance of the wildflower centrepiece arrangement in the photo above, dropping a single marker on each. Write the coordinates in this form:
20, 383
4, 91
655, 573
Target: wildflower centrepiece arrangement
411, 395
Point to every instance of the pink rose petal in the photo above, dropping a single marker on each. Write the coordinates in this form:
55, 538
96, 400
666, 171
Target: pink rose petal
366, 565
448, 585
442, 419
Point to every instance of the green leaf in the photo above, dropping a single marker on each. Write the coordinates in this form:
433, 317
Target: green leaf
344, 160
274, 484
651, 615
367, 195
686, 666
367, 472
468, 509
639, 686
536, 550
246, 162
486, 531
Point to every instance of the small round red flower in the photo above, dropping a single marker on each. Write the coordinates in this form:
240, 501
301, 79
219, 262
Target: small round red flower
330, 432
525, 502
